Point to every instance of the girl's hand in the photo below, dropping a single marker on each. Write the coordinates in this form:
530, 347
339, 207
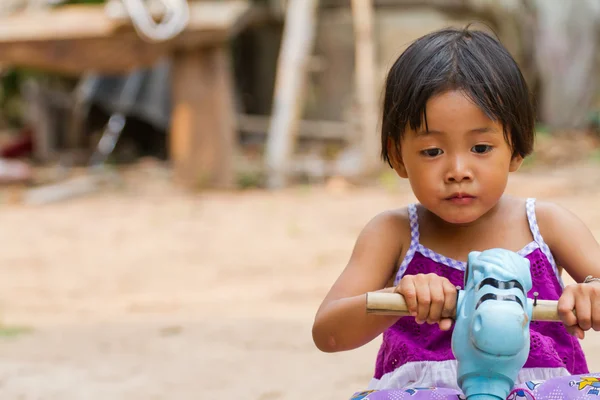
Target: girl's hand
430, 298
584, 298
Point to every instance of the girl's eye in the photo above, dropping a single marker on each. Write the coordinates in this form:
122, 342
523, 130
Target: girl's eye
432, 152
481, 148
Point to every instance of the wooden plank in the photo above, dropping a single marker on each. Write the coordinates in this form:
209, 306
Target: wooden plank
442, 4
61, 191
74, 57
63, 23
93, 21
202, 137
320, 130
111, 55
107, 51
290, 81
365, 80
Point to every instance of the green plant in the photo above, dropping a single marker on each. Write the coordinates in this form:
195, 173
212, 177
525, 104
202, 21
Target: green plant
595, 155
9, 332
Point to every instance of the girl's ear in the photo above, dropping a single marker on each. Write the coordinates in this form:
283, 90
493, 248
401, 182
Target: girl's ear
396, 159
515, 163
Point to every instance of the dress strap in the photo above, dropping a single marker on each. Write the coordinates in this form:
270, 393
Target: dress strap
537, 236
414, 241
414, 223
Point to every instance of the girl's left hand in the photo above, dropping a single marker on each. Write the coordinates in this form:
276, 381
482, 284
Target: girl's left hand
584, 299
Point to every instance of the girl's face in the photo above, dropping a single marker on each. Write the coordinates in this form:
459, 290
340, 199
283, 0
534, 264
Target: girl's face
459, 168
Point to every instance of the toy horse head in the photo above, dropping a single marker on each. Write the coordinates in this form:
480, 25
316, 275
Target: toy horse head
491, 335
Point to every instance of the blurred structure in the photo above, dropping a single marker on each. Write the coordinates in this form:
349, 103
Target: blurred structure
272, 91
100, 40
566, 53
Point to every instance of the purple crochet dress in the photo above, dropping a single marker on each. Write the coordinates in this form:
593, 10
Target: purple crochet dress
413, 355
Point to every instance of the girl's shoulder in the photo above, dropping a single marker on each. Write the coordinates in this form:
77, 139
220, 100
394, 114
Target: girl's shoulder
570, 240
545, 211
554, 221
549, 211
395, 222
390, 228
546, 215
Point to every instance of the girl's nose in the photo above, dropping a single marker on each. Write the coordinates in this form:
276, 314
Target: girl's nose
458, 171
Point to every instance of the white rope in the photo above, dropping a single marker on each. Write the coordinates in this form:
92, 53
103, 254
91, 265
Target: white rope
175, 19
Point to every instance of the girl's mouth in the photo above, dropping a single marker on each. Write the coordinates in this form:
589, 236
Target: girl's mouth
461, 198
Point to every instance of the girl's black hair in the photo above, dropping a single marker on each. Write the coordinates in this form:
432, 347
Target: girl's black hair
457, 59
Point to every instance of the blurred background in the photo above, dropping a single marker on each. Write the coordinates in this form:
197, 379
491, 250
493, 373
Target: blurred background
182, 181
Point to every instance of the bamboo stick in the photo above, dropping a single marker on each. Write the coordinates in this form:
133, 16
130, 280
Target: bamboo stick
290, 86
394, 304
365, 81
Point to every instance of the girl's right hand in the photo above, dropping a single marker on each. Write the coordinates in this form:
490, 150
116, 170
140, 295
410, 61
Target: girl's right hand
430, 298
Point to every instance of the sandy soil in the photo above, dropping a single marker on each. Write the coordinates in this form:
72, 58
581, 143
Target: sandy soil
147, 293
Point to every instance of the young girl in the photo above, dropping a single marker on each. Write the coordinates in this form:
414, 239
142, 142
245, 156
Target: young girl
457, 119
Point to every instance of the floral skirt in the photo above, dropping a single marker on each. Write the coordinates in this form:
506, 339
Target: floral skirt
561, 388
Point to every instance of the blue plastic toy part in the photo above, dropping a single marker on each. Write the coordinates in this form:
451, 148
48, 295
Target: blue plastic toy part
491, 334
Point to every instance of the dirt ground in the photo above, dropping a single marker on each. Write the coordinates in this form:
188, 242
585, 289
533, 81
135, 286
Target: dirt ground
144, 292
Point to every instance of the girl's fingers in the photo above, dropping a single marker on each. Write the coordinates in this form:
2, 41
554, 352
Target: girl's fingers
429, 298
596, 312
450, 299
436, 294
566, 305
423, 299
583, 308
409, 291
446, 324
576, 331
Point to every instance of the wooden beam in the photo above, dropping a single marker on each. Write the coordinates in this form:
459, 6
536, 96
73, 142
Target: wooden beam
98, 21
309, 129
290, 81
111, 55
103, 45
202, 137
443, 4
366, 83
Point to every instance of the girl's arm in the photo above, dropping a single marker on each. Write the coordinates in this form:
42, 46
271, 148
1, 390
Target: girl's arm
572, 243
341, 323
577, 251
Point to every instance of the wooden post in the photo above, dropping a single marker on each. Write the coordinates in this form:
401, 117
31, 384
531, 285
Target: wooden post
366, 82
40, 117
202, 137
296, 47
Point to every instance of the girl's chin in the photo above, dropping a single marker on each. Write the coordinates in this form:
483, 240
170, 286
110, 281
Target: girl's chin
456, 218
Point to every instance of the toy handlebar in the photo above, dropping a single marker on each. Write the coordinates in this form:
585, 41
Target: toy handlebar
394, 304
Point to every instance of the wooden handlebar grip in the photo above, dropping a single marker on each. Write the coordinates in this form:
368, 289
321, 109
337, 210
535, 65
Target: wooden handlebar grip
546, 310
394, 304
387, 304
